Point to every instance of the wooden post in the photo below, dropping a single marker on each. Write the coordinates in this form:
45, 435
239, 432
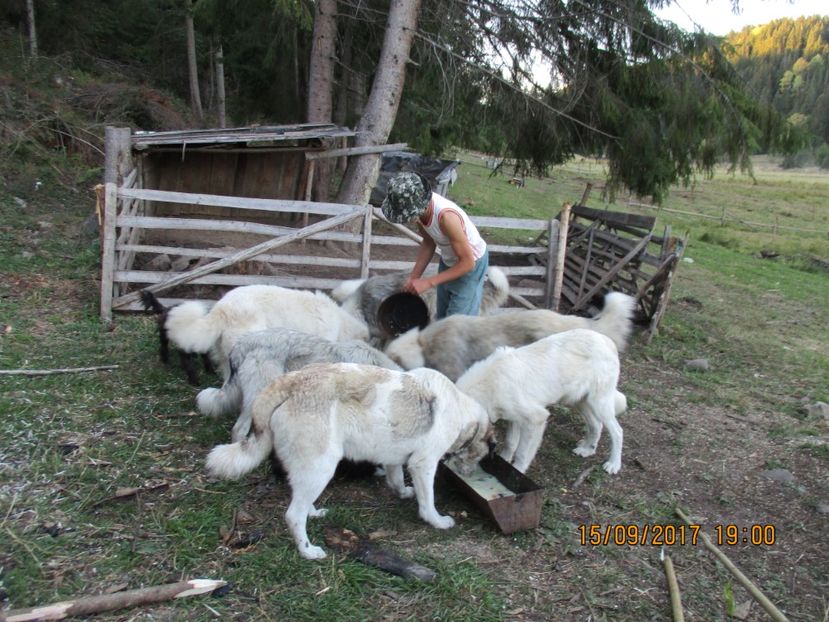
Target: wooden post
117, 165
552, 255
586, 194
366, 254
564, 224
309, 186
108, 251
86, 605
117, 154
722, 217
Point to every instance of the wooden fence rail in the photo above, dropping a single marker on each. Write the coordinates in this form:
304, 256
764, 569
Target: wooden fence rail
129, 216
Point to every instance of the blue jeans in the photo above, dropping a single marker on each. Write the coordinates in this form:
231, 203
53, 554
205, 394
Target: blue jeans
463, 295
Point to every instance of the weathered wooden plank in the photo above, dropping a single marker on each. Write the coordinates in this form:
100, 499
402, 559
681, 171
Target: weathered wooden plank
235, 280
612, 272
250, 252
499, 222
552, 257
250, 135
108, 251
299, 260
349, 151
365, 256
563, 232
220, 200
624, 244
616, 219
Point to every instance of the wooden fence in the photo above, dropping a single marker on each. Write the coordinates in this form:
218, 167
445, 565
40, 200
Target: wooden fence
128, 218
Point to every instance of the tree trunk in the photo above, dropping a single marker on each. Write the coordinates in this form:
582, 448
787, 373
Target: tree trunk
192, 70
220, 86
381, 110
321, 83
344, 85
30, 16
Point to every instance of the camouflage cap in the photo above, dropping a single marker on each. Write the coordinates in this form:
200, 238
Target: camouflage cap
407, 197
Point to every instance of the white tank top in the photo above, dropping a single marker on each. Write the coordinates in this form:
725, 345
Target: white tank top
440, 206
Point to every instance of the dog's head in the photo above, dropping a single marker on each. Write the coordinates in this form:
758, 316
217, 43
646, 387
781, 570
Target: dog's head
476, 441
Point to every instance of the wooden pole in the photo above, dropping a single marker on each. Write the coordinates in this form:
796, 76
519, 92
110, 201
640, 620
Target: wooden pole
673, 587
552, 254
365, 258
108, 251
564, 224
49, 372
761, 598
86, 605
117, 154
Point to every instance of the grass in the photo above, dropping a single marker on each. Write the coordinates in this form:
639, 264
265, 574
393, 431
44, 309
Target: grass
72, 441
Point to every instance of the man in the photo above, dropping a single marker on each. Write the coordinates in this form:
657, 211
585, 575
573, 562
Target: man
444, 225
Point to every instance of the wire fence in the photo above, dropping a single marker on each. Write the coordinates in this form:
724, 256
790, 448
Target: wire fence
724, 217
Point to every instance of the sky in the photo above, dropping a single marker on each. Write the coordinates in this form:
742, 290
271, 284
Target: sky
716, 16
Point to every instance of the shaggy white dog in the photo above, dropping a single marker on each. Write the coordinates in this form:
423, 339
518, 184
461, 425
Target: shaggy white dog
192, 328
318, 415
259, 357
362, 297
453, 344
575, 368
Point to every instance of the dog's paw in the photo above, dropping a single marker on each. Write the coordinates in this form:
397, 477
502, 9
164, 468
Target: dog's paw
312, 552
584, 450
442, 522
407, 492
317, 513
612, 467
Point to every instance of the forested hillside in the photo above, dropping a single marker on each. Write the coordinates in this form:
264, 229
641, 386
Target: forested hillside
786, 63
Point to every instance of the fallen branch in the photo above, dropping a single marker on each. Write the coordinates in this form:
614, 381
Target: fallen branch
582, 476
673, 587
755, 592
49, 372
86, 605
348, 542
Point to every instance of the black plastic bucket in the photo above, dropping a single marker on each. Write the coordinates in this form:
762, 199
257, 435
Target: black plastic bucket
401, 312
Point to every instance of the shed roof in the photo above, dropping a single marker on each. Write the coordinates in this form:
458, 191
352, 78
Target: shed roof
254, 135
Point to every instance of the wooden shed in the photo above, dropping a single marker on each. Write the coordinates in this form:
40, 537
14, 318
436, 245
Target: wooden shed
188, 215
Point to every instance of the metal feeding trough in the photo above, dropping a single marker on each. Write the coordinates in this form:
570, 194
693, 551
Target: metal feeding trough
502, 492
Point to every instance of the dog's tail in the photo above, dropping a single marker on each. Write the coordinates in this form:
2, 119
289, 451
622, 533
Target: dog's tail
191, 328
151, 303
214, 402
496, 290
234, 460
616, 318
346, 289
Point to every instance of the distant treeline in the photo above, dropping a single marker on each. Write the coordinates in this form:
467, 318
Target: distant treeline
786, 63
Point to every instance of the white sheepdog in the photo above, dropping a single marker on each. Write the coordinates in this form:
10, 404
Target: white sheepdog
259, 357
314, 417
192, 328
577, 368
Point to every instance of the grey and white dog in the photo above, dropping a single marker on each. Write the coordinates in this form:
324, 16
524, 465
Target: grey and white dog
362, 297
453, 344
258, 357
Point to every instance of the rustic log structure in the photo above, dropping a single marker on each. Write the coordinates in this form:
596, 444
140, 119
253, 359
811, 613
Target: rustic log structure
187, 215
617, 251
